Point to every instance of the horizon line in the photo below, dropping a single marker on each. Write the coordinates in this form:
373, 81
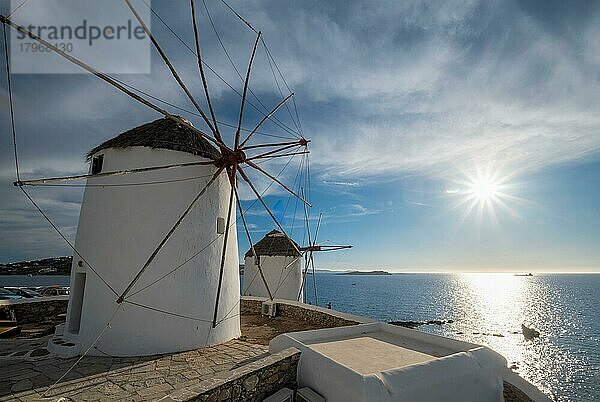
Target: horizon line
462, 271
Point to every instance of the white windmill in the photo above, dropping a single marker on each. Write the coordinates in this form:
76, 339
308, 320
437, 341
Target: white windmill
155, 265
283, 265
278, 259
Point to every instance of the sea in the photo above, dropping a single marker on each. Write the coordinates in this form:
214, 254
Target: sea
488, 309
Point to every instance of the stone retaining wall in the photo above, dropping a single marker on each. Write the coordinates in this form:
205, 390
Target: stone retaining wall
250, 306
298, 311
40, 309
251, 382
313, 316
36, 309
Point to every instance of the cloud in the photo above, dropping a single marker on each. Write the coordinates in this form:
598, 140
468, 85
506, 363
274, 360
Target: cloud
417, 88
341, 183
359, 210
384, 89
387, 87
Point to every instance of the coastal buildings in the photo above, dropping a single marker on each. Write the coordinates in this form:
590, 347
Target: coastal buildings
123, 218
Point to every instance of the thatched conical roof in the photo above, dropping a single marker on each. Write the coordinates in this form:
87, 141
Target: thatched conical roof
164, 134
275, 243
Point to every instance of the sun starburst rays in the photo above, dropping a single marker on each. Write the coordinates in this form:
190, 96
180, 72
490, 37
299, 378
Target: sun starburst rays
482, 195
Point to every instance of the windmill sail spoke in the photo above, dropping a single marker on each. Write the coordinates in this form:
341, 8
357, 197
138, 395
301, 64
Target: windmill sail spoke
104, 77
310, 243
326, 248
265, 118
306, 219
201, 68
173, 71
36, 182
312, 260
10, 100
274, 151
275, 179
224, 252
239, 205
282, 155
264, 204
237, 132
171, 313
318, 228
306, 260
167, 237
277, 144
289, 264
269, 58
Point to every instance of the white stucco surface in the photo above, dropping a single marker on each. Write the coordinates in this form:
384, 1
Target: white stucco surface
283, 275
368, 355
381, 362
119, 228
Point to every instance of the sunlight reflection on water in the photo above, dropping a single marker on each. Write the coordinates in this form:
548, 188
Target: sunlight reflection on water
564, 361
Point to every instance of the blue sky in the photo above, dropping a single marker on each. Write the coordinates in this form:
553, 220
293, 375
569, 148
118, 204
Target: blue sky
403, 102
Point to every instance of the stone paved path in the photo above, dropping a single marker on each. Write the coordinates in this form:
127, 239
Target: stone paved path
131, 379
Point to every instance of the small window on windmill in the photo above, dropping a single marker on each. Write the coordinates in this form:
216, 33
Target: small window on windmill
220, 225
97, 164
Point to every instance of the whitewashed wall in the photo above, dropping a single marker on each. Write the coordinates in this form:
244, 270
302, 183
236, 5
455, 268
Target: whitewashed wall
119, 227
464, 372
283, 283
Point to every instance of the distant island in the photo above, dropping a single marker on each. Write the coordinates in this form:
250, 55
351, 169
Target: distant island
364, 273
46, 266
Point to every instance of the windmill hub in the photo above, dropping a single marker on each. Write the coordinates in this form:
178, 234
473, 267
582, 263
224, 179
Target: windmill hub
231, 158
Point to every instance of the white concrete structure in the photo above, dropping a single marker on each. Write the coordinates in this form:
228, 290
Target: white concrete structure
121, 224
281, 265
382, 362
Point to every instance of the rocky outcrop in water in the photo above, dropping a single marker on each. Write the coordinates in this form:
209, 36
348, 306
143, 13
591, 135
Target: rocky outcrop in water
416, 324
529, 333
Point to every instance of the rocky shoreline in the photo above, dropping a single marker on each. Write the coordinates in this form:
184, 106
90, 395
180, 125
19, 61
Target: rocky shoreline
528, 333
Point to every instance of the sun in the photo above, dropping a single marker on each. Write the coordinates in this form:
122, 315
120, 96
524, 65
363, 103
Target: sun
483, 191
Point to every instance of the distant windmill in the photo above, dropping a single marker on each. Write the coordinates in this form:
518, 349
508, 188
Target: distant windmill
279, 260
